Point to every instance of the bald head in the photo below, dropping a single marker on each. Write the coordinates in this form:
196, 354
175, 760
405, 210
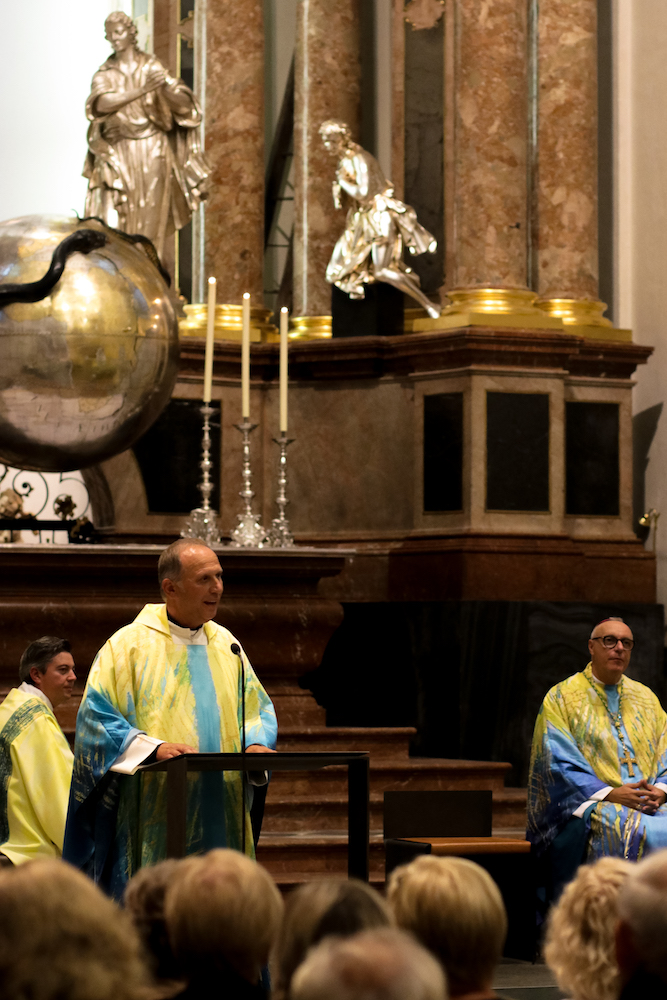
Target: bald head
610, 659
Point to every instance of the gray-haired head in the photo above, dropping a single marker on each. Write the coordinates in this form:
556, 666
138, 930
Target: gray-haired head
40, 653
169, 565
642, 909
602, 621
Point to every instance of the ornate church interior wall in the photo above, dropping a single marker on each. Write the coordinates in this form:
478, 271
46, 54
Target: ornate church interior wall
641, 239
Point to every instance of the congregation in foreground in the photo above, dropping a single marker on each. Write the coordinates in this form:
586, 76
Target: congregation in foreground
216, 925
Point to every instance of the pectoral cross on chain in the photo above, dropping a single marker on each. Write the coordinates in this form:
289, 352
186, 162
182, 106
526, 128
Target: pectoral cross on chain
627, 759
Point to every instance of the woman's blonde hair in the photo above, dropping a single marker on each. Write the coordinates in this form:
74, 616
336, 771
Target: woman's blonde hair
579, 944
60, 936
315, 911
455, 909
222, 909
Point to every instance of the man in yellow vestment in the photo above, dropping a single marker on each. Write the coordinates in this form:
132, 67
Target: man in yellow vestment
35, 758
169, 683
598, 772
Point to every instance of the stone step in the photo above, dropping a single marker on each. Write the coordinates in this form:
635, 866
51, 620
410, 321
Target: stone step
313, 855
394, 774
327, 812
378, 741
295, 706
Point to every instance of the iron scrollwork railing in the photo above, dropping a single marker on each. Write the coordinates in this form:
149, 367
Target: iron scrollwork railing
28, 504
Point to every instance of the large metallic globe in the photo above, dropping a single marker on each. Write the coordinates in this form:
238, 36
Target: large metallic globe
85, 371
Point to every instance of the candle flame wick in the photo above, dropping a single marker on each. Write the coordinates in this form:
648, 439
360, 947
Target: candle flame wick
211, 281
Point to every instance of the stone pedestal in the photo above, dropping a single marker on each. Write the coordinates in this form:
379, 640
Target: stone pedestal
327, 85
234, 121
566, 182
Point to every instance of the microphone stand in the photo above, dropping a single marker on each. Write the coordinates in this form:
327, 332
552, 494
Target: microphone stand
236, 649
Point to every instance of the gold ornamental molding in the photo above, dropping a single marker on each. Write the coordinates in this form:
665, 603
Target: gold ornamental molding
229, 323
310, 328
499, 307
583, 318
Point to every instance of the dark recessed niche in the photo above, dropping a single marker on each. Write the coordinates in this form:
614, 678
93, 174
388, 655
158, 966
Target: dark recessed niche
517, 451
169, 455
592, 459
443, 452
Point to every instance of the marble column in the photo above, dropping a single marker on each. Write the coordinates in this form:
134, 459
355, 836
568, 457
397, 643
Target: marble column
327, 85
235, 147
486, 149
566, 224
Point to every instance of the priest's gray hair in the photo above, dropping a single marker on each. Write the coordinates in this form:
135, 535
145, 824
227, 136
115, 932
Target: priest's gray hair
384, 964
169, 566
642, 907
40, 653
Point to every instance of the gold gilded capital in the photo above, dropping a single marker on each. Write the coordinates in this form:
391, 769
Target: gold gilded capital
501, 307
310, 328
583, 318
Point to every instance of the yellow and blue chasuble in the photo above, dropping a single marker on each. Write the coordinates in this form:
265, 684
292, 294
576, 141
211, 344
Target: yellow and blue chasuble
577, 752
35, 774
143, 682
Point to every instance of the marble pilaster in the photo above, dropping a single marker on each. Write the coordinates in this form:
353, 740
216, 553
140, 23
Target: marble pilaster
327, 85
235, 147
486, 246
566, 227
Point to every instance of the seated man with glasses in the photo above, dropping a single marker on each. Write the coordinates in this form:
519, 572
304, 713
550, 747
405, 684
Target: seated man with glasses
598, 769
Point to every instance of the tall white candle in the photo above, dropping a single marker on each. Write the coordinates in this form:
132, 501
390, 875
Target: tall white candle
210, 327
283, 369
245, 359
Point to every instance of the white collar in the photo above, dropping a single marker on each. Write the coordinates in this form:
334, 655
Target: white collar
30, 689
598, 681
187, 636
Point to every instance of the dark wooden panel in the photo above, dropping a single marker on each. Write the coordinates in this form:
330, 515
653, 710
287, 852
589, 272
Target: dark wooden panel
592, 459
517, 451
169, 455
443, 451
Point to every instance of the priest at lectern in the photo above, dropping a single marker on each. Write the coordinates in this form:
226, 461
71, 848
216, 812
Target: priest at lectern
169, 683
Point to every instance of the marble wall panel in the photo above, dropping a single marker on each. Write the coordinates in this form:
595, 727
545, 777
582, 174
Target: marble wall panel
567, 164
486, 102
235, 147
327, 85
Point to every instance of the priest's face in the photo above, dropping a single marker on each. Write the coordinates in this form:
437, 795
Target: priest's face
57, 681
194, 597
609, 664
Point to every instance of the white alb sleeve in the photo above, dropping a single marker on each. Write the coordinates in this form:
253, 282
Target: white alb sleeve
598, 797
135, 754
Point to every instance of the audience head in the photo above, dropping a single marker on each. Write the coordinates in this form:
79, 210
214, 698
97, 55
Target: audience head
60, 936
455, 909
579, 944
222, 911
381, 964
144, 901
316, 910
641, 935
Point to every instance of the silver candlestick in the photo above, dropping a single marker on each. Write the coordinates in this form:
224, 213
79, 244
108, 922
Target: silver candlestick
248, 533
280, 536
203, 521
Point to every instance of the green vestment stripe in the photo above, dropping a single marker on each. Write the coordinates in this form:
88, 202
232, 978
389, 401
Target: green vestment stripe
12, 728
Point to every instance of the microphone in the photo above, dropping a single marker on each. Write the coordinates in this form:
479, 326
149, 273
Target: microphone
236, 650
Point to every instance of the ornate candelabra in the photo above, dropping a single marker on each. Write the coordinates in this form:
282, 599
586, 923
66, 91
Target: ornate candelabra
280, 536
248, 533
203, 521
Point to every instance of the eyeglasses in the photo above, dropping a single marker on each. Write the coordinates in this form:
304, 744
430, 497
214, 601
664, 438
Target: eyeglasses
610, 641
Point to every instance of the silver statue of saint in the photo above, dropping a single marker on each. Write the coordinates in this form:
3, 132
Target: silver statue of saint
378, 226
144, 157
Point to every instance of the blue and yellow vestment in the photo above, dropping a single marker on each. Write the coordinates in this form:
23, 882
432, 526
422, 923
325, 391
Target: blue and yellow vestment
577, 754
144, 682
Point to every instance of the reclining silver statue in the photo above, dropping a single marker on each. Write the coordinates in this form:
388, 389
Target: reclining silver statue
377, 228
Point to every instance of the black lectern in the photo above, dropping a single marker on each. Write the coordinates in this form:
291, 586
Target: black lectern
356, 761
